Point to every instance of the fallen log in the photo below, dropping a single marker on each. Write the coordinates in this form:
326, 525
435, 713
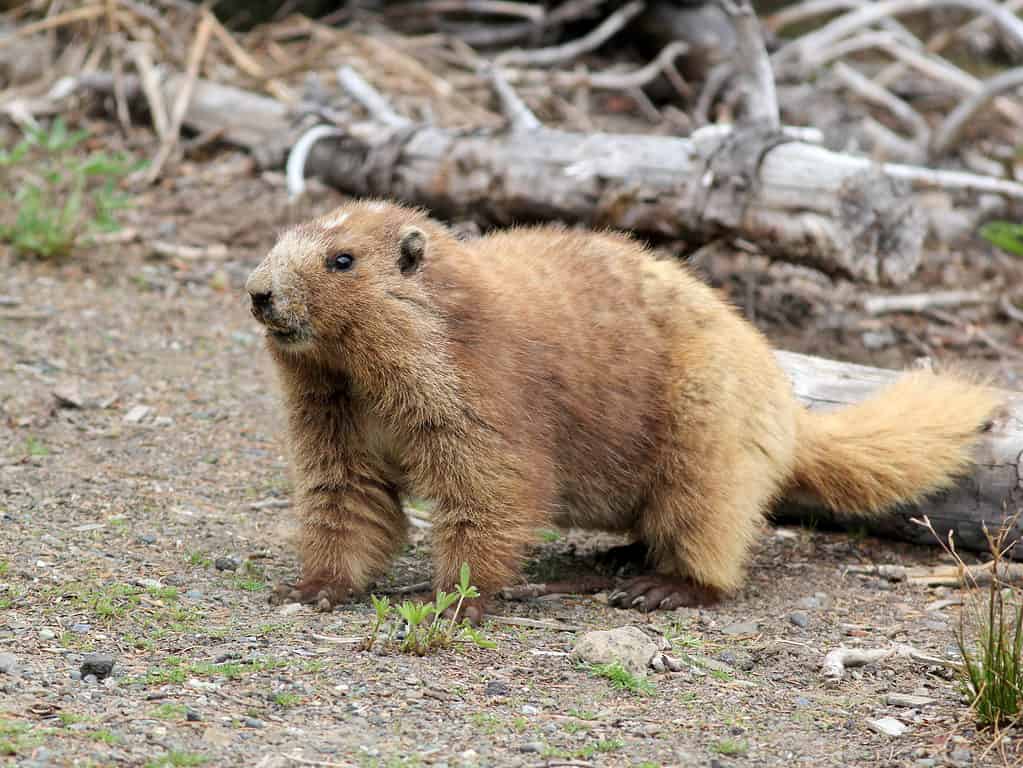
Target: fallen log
799, 202
991, 495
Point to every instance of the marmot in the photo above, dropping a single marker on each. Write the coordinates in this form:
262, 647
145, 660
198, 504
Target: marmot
540, 376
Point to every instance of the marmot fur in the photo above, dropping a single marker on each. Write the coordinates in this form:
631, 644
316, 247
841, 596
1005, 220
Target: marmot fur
542, 376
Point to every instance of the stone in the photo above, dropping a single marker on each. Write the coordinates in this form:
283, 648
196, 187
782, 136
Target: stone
887, 726
47, 634
529, 709
252, 722
9, 665
629, 646
226, 563
98, 664
741, 628
289, 609
908, 700
800, 619
496, 688
136, 414
531, 746
961, 756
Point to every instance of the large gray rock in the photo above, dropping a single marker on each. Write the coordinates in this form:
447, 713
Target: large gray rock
630, 646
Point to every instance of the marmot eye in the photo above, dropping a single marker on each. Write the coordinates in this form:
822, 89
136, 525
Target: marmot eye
340, 262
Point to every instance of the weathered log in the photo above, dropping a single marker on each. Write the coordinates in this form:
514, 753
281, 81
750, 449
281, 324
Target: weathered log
798, 201
989, 496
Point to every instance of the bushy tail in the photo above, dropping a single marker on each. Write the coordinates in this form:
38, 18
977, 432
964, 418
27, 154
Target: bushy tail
911, 439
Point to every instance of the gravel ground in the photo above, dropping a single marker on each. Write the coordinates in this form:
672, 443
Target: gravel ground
144, 495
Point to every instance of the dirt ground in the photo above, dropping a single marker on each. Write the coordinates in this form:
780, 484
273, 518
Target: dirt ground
144, 515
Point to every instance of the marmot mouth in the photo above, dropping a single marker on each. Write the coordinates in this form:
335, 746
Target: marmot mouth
285, 336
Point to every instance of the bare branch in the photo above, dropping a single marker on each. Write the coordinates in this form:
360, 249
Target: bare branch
951, 129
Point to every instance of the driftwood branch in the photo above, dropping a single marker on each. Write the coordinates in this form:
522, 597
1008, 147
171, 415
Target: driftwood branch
990, 496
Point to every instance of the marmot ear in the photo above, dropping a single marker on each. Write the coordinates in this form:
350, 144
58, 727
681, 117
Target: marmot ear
412, 248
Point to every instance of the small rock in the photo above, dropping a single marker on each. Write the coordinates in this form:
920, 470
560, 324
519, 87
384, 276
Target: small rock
629, 646
740, 628
194, 594
136, 414
908, 700
226, 563
147, 538
9, 664
875, 340
46, 634
737, 658
289, 609
192, 716
888, 726
800, 619
252, 722
496, 688
802, 702
961, 756
163, 421
90, 679
469, 756
531, 746
75, 675
98, 664
68, 396
529, 709
926, 762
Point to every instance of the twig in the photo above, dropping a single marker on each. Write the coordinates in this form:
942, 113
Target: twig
184, 96
189, 252
716, 79
866, 15
150, 82
294, 168
950, 131
838, 660
370, 98
245, 62
753, 65
319, 763
521, 117
120, 100
882, 97
408, 589
493, 7
55, 22
920, 302
350, 640
1010, 309
559, 54
517, 621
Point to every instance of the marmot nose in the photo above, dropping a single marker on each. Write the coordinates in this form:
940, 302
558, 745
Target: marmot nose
261, 300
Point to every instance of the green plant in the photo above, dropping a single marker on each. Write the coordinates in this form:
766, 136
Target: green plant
623, 679
60, 198
176, 759
105, 736
34, 446
990, 633
287, 700
731, 747
426, 628
1005, 235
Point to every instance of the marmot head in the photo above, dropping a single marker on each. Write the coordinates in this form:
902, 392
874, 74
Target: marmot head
328, 279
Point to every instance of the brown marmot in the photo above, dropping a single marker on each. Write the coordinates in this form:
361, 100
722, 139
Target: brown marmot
543, 376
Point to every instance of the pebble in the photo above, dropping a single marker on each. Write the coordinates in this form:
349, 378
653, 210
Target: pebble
737, 658
290, 609
531, 746
252, 722
194, 594
888, 726
496, 688
76, 675
740, 628
90, 679
926, 762
80, 629
136, 414
226, 563
800, 619
9, 664
961, 756
192, 716
908, 700
46, 634
147, 538
99, 665
529, 709
802, 701
817, 601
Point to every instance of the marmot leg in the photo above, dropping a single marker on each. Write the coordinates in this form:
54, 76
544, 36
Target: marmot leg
349, 534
